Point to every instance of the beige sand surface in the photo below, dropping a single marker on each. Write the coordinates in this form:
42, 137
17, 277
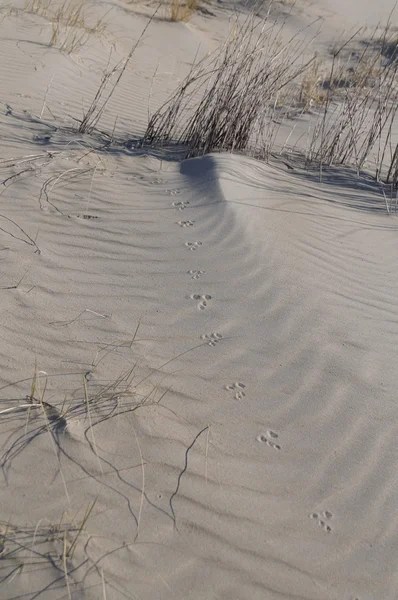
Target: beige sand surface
365, 11
215, 345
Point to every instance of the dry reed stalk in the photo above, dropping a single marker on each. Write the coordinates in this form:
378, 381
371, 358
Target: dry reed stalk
362, 123
98, 105
226, 98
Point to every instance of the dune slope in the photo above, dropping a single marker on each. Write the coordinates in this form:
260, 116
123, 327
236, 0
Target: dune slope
212, 345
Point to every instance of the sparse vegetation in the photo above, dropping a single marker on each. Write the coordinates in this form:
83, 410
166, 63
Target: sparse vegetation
56, 546
230, 91
235, 100
49, 544
94, 112
358, 126
312, 92
231, 100
60, 546
182, 10
70, 22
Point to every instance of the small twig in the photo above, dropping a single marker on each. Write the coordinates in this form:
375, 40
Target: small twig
31, 242
91, 186
143, 481
103, 584
183, 471
64, 556
114, 127
11, 177
18, 160
135, 333
14, 287
207, 450
63, 323
385, 198
87, 402
45, 96
82, 524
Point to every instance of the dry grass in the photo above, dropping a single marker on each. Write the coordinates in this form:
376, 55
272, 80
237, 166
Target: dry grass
94, 112
311, 92
224, 103
48, 544
70, 22
237, 99
182, 10
356, 130
60, 547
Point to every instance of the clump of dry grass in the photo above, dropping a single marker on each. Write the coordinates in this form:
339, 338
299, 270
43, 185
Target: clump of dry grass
356, 125
47, 544
392, 173
71, 29
224, 101
182, 10
237, 98
6, 11
311, 90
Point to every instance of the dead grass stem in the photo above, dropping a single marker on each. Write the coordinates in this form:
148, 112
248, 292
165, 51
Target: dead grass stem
182, 10
71, 25
232, 91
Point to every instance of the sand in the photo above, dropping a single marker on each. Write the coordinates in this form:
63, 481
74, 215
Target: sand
213, 343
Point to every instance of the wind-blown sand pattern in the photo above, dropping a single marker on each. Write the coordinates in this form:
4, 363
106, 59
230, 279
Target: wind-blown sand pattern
214, 342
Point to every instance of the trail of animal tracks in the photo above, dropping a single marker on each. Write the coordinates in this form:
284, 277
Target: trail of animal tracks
213, 344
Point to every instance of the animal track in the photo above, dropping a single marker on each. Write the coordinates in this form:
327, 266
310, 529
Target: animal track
203, 300
180, 205
211, 338
322, 519
87, 217
195, 274
185, 223
193, 245
266, 439
238, 388
174, 193
140, 177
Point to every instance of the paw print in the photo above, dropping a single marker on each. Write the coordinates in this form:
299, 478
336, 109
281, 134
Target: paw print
195, 274
193, 245
267, 439
204, 298
322, 519
238, 389
211, 338
185, 223
180, 205
174, 193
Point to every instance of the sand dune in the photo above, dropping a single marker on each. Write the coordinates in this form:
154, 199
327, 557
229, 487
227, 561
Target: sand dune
215, 341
